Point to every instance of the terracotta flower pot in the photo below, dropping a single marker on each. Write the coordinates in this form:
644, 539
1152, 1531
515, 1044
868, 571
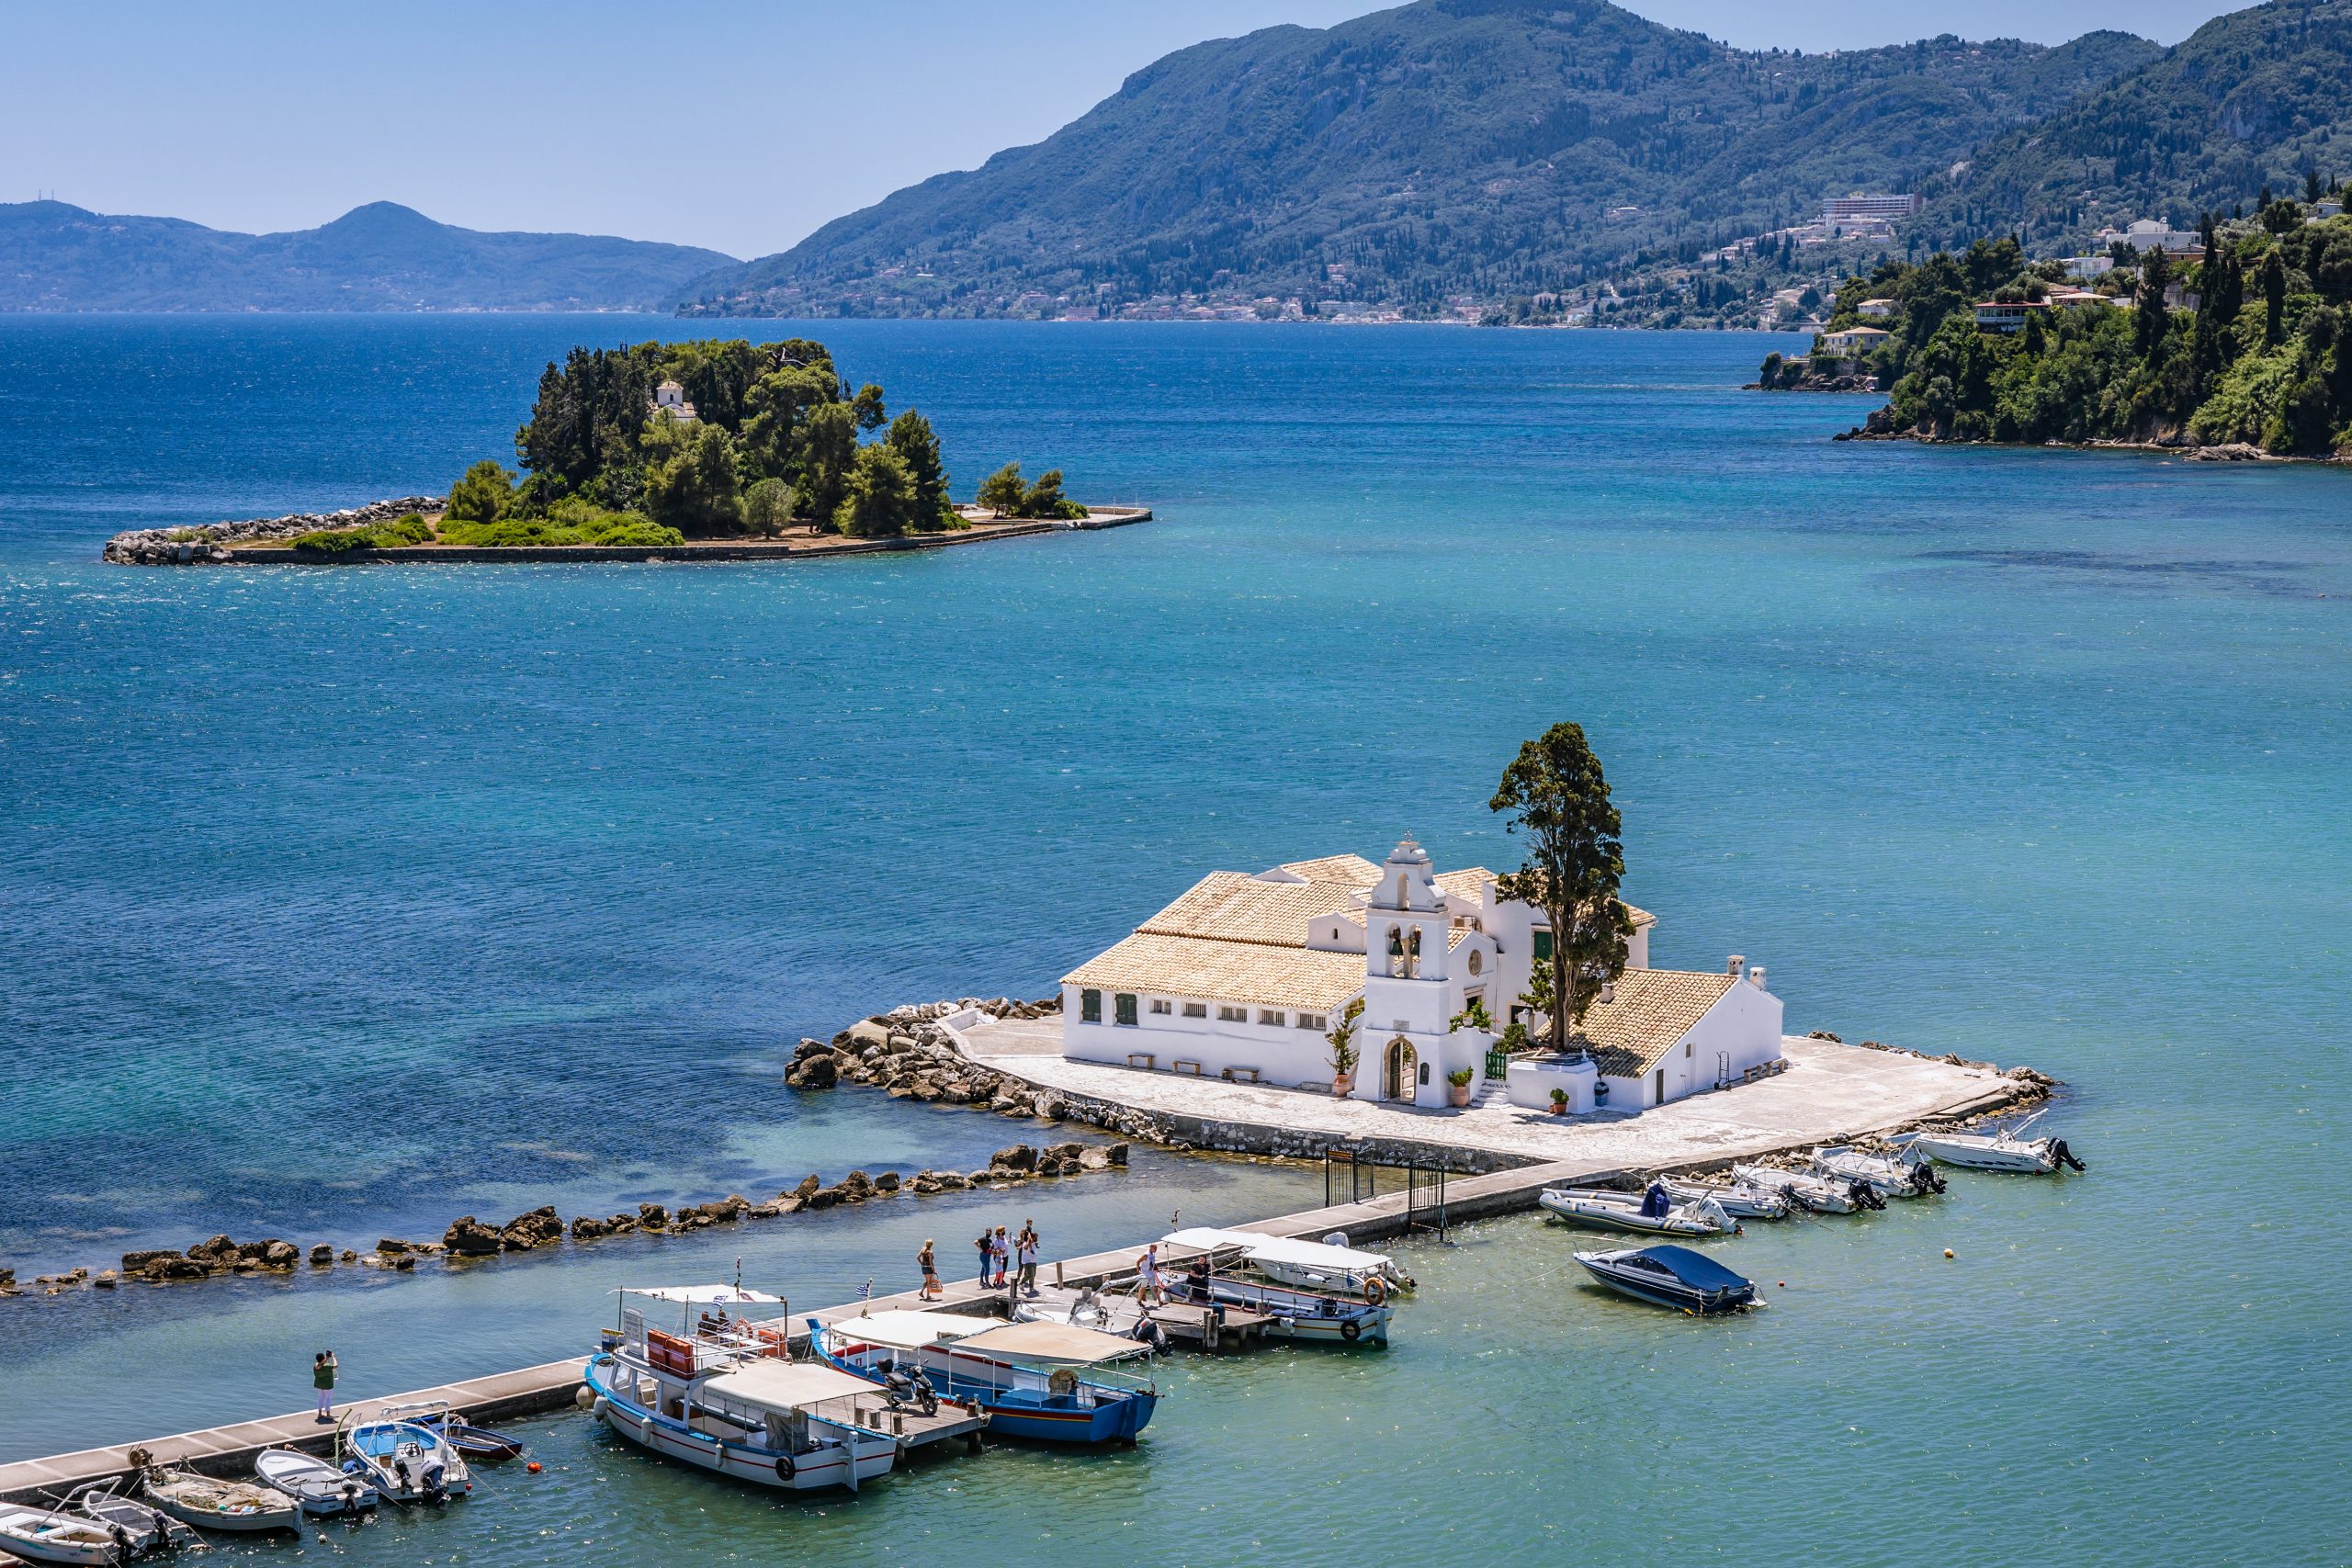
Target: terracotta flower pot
1461, 1093
1342, 1085
1559, 1107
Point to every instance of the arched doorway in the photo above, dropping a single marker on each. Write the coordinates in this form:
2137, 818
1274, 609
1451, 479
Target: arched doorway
1396, 1069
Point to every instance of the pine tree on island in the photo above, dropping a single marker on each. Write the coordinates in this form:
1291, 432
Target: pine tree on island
1555, 791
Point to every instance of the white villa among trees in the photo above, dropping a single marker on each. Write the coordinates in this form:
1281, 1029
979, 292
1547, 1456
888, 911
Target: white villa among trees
1244, 975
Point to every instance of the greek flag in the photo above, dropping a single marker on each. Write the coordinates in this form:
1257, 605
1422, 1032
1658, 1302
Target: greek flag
865, 1292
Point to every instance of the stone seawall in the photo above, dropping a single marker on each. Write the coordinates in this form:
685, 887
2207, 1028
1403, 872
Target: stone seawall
208, 543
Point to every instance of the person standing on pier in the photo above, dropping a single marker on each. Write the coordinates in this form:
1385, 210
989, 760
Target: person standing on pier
929, 1262
322, 1367
1027, 1253
1000, 1248
1148, 1276
987, 1244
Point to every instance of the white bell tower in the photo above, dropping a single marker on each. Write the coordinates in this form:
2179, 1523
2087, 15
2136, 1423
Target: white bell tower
1405, 988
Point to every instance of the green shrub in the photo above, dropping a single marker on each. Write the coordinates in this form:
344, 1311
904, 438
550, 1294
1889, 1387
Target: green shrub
484, 494
335, 541
768, 506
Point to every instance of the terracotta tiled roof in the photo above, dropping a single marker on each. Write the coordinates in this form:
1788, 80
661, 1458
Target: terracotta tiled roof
1352, 870
1257, 973
1234, 908
1467, 883
1647, 1014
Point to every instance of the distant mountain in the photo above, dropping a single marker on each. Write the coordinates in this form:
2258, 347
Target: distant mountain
1450, 147
377, 257
2253, 98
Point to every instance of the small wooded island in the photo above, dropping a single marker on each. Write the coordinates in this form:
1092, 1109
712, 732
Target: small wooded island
2238, 345
717, 448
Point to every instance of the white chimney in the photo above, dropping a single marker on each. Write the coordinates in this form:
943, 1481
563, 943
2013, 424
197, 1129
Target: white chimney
1732, 964
1756, 976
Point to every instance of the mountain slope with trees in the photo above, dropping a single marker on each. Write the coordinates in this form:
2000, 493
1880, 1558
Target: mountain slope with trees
382, 256
2259, 98
1480, 148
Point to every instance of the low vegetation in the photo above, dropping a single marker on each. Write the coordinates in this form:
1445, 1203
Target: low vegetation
2249, 343
408, 529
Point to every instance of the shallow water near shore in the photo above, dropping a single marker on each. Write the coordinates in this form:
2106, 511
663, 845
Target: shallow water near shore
338, 903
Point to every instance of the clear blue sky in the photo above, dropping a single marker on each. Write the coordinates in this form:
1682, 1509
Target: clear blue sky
725, 123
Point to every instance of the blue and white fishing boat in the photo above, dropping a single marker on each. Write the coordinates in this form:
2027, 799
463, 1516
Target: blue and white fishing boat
721, 1395
405, 1458
1290, 1313
1671, 1276
1054, 1383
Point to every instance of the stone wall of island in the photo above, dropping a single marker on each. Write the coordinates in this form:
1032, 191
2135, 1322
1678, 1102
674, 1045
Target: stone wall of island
192, 546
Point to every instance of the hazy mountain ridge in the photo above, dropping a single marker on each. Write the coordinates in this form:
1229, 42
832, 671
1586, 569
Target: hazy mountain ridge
1447, 147
382, 256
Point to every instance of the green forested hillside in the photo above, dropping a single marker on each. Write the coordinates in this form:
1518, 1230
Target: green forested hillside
1449, 148
2253, 98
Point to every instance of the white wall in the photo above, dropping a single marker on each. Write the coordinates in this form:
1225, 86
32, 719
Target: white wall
1287, 1055
1744, 1025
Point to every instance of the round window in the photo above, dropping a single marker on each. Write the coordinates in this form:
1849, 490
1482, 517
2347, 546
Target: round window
1477, 962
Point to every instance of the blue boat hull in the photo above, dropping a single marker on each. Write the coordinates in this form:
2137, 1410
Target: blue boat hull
1115, 1415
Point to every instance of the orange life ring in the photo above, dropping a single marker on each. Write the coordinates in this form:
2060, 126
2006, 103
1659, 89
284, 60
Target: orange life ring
1375, 1290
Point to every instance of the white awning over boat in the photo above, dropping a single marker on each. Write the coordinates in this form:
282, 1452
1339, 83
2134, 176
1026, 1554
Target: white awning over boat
1280, 1249
1064, 1343
786, 1385
701, 1295
912, 1330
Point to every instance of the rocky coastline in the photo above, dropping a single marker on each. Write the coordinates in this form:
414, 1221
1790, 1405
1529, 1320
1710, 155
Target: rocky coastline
208, 543
1880, 427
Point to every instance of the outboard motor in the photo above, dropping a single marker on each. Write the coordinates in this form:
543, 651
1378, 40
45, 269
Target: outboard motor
2062, 1155
437, 1484
1925, 1179
400, 1473
1864, 1196
1147, 1332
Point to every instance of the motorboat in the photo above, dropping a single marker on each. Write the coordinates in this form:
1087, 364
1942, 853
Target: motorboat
211, 1503
324, 1491
478, 1444
1329, 1266
1087, 1308
1905, 1175
147, 1528
2004, 1148
1671, 1276
722, 1394
402, 1453
1290, 1313
1740, 1200
1654, 1211
1053, 1382
39, 1535
1813, 1193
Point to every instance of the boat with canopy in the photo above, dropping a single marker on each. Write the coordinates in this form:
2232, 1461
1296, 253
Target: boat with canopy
1671, 1276
1055, 1382
722, 1394
1327, 1267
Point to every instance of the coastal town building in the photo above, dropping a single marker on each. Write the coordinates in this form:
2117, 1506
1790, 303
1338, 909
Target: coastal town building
2154, 235
1243, 976
1876, 310
1850, 341
2088, 266
2006, 315
1883, 206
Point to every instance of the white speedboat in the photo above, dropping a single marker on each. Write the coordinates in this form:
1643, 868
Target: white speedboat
721, 1395
324, 1491
1085, 1308
1906, 1175
404, 1453
1815, 1193
210, 1502
2004, 1148
39, 1536
1653, 1213
1740, 1200
147, 1527
1328, 1267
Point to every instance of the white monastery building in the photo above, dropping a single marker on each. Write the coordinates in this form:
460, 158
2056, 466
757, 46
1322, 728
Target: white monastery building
1242, 976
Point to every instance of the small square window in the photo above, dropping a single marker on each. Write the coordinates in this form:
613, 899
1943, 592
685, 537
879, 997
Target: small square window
1233, 1015
1270, 1019
1196, 1009
1090, 1007
1123, 1008
1313, 1020
1161, 1005
1542, 944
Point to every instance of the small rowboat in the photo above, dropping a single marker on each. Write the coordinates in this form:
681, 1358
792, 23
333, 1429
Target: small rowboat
476, 1442
1671, 1276
209, 1503
324, 1491
2002, 1149
39, 1536
1740, 1200
146, 1527
1652, 1212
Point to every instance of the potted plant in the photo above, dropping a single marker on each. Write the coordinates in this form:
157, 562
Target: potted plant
1559, 1102
1343, 1050
1461, 1081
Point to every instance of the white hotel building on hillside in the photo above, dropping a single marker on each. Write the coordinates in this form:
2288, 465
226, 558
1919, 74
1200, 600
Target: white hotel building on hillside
1241, 976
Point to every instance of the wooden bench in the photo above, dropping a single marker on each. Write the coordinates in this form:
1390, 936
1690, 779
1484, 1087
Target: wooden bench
1181, 1065
1146, 1060
1241, 1075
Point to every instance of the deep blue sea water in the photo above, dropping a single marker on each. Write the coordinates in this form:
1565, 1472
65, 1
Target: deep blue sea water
336, 903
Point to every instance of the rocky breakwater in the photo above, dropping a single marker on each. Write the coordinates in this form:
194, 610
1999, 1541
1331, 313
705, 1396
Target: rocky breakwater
209, 544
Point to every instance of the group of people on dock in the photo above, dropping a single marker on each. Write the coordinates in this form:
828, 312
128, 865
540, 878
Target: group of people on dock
1006, 1262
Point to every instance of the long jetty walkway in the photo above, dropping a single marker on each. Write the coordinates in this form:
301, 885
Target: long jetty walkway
1899, 1091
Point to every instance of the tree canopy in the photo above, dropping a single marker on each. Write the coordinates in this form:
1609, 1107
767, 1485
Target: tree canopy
1555, 793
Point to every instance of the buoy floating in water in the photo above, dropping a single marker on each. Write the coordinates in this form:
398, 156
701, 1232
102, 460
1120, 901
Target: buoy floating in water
1947, 1252
532, 1467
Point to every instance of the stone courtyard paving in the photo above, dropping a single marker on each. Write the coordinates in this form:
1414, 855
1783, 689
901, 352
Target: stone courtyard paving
1830, 1092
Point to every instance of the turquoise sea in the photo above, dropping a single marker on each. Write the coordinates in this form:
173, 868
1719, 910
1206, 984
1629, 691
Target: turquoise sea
335, 904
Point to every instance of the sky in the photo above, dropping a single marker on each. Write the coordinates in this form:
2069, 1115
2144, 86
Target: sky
725, 123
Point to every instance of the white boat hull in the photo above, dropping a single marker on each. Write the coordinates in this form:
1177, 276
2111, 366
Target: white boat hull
1887, 1177
869, 1457
267, 1509
322, 1490
2033, 1156
39, 1536
1740, 1200
1803, 1188
1622, 1210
